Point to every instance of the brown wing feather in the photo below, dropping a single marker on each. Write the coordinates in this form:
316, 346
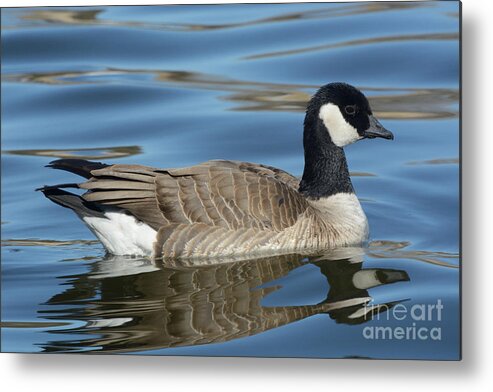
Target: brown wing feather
131, 187
230, 194
227, 194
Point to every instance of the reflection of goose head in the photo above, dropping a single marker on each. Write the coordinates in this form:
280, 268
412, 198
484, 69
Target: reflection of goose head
350, 280
149, 306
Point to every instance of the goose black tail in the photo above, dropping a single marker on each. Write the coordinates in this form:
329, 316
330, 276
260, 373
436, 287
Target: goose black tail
71, 200
80, 167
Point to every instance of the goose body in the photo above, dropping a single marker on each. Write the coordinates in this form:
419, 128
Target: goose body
228, 208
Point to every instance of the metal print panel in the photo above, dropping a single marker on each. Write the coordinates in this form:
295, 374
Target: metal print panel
269, 180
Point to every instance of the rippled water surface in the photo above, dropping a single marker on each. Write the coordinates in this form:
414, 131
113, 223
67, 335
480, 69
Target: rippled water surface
177, 85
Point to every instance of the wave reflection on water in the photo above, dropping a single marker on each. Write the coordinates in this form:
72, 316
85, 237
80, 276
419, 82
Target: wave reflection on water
96, 17
397, 104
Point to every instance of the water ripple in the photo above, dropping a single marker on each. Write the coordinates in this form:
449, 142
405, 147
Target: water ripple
94, 17
81, 153
397, 103
358, 42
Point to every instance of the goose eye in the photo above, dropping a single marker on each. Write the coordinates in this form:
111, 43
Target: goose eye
350, 109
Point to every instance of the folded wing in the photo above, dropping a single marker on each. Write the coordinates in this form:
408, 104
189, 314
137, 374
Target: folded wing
228, 194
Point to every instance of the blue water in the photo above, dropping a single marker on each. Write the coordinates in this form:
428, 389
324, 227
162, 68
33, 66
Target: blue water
177, 85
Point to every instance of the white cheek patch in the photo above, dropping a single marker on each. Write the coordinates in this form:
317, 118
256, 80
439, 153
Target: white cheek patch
341, 132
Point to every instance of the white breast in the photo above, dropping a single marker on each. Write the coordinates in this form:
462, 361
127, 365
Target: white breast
343, 212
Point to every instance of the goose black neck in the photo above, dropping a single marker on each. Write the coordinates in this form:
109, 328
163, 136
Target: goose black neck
326, 171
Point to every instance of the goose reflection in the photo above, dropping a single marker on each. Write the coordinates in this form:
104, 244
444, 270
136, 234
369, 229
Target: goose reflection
126, 305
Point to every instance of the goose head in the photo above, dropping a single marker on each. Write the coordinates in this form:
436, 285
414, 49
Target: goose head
337, 115
343, 113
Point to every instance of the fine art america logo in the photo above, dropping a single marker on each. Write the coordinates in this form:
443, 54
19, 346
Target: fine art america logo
420, 322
